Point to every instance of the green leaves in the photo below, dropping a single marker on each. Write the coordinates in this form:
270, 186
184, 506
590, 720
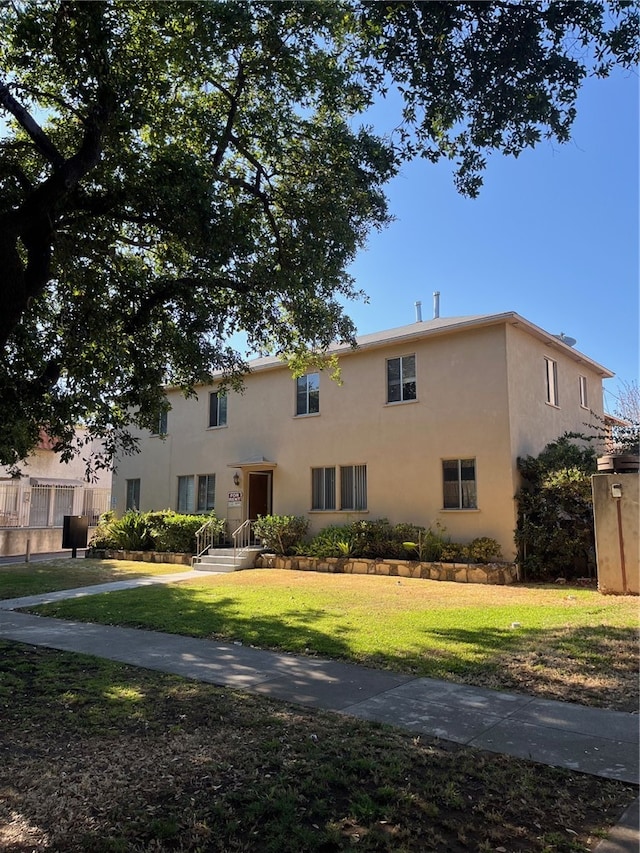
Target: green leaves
172, 173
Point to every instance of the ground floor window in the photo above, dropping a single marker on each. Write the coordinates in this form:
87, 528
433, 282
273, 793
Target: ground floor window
353, 487
323, 488
459, 483
186, 494
133, 494
206, 492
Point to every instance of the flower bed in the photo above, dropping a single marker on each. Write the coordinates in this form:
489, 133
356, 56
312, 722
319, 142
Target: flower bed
492, 573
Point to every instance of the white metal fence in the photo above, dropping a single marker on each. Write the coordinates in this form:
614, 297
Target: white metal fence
24, 505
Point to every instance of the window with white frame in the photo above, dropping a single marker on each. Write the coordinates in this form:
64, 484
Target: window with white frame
308, 394
353, 487
217, 409
551, 368
323, 488
133, 494
459, 484
186, 494
584, 399
206, 492
401, 379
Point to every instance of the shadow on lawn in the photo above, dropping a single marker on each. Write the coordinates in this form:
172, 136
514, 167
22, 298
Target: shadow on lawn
181, 610
590, 665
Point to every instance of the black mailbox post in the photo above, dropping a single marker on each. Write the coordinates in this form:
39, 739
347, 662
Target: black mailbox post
75, 532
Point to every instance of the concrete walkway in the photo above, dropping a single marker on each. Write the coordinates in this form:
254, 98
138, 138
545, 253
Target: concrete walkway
590, 740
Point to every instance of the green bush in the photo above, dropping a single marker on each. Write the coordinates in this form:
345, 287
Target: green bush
555, 531
377, 540
151, 531
132, 532
280, 534
173, 531
483, 550
332, 541
102, 535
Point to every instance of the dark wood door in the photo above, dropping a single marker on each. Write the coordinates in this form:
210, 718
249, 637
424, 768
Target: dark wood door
259, 494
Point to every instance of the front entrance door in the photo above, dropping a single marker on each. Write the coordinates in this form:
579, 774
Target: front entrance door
259, 494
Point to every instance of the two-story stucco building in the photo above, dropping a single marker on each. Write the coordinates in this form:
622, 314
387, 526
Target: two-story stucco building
426, 426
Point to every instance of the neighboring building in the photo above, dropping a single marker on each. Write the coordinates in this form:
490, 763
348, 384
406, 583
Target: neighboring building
426, 427
33, 505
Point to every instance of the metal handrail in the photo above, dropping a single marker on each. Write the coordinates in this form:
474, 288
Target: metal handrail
242, 536
205, 538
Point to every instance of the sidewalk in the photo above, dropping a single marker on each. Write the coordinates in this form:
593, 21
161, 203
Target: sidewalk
590, 740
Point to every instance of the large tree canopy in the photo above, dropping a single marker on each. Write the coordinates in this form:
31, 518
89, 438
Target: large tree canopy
173, 172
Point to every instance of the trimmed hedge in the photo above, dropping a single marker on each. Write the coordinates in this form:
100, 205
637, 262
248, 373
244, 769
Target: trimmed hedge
151, 531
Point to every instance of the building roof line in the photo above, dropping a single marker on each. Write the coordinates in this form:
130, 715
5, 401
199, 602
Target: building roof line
438, 328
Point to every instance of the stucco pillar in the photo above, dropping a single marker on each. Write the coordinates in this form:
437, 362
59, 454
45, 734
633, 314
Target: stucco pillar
616, 512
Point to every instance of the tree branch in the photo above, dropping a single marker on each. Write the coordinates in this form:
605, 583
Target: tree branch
223, 144
37, 134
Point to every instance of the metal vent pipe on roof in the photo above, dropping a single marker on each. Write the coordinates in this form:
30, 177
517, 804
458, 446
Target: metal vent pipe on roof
436, 304
418, 305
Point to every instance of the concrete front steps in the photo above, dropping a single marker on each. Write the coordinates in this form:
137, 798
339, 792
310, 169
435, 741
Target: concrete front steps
222, 559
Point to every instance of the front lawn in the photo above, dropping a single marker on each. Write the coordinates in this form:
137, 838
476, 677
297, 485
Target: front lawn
18, 579
98, 757
558, 642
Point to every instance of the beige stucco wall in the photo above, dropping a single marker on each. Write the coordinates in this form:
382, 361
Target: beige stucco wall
463, 411
17, 541
534, 422
617, 519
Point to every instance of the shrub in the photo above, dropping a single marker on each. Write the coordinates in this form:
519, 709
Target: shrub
156, 531
428, 545
555, 532
172, 531
280, 533
377, 540
102, 534
332, 541
483, 550
131, 532
452, 552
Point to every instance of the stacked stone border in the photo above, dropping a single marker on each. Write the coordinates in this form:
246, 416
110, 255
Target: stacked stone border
137, 556
492, 573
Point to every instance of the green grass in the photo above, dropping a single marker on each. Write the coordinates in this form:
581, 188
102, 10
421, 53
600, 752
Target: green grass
103, 757
20, 579
499, 636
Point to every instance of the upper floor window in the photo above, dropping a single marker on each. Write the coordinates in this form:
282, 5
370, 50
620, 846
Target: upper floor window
206, 492
551, 368
133, 495
186, 488
401, 379
162, 423
308, 394
459, 484
353, 487
584, 400
217, 409
323, 488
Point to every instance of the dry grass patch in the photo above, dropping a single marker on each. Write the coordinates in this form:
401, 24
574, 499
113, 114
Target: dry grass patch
99, 757
18, 579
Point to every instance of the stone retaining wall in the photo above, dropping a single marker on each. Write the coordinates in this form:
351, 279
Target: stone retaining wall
136, 556
496, 573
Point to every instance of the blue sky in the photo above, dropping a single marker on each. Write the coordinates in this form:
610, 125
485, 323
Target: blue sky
553, 236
